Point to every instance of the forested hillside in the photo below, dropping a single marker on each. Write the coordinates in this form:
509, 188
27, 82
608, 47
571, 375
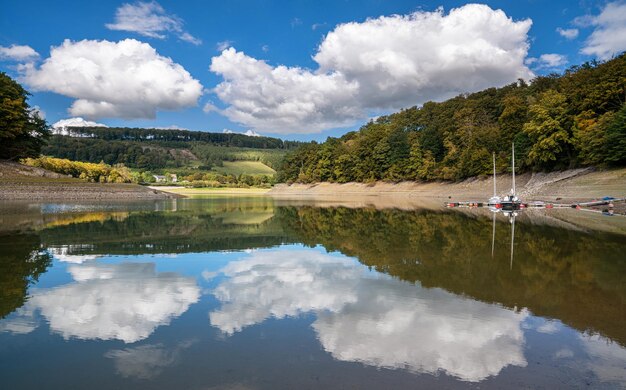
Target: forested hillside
151, 149
174, 137
557, 122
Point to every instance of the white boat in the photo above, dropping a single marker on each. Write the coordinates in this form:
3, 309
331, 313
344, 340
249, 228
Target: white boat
511, 201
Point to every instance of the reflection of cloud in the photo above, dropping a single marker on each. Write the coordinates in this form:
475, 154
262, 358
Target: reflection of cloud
18, 325
377, 321
564, 353
607, 359
62, 254
114, 301
549, 327
270, 285
144, 361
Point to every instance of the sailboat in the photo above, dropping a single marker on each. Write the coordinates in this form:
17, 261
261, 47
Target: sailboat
495, 200
511, 201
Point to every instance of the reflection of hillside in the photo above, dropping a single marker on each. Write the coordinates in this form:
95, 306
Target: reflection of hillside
569, 275
195, 230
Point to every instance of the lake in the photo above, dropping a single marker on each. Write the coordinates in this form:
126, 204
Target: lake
253, 293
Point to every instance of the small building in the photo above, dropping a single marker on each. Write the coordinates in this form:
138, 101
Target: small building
170, 178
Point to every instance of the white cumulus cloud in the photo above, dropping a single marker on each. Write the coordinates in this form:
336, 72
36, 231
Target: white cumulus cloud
18, 53
76, 122
126, 79
609, 36
249, 133
149, 19
547, 61
282, 99
380, 64
569, 33
372, 319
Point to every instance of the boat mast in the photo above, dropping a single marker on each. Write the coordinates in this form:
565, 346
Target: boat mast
513, 149
512, 239
494, 174
493, 235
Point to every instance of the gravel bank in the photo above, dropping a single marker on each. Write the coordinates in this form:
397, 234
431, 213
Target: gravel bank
20, 182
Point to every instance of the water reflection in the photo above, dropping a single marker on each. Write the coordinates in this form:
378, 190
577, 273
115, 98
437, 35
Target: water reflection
371, 319
146, 361
22, 262
124, 301
576, 277
416, 291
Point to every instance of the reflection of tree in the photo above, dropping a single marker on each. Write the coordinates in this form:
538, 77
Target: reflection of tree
569, 275
21, 264
168, 232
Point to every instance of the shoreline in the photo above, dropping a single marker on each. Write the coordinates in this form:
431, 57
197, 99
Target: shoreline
572, 185
206, 191
22, 182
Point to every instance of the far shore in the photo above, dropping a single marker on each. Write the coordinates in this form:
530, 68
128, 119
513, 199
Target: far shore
21, 182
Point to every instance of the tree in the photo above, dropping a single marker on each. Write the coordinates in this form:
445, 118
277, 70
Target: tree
549, 129
22, 131
616, 139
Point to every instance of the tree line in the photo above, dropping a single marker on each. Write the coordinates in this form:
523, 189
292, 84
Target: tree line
173, 136
557, 122
105, 173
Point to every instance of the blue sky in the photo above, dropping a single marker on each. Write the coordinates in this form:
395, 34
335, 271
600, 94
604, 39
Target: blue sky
294, 69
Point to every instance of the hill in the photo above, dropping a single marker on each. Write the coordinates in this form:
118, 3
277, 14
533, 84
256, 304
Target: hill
557, 122
160, 150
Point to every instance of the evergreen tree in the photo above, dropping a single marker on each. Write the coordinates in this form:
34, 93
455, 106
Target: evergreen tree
22, 131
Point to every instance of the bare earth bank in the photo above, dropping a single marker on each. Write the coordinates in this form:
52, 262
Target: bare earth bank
20, 182
571, 185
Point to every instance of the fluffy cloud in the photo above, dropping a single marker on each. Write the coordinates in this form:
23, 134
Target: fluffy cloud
149, 19
380, 64
249, 133
126, 79
112, 301
375, 320
282, 99
609, 35
570, 33
18, 53
76, 122
547, 61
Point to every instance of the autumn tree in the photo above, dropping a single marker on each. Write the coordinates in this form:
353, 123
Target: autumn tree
549, 129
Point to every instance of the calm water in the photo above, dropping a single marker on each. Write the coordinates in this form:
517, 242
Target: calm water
252, 294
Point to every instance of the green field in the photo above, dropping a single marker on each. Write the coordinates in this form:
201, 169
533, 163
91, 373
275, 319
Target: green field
244, 167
